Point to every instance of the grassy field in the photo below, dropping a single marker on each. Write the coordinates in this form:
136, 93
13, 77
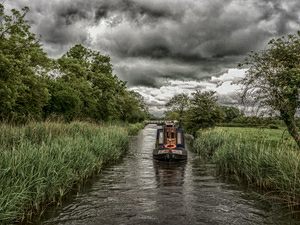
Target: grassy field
41, 162
266, 158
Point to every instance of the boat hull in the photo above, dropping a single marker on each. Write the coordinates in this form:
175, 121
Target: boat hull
170, 154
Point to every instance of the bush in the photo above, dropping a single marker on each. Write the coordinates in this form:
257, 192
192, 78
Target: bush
134, 128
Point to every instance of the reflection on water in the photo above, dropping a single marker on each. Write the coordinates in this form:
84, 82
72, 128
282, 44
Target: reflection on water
169, 173
142, 191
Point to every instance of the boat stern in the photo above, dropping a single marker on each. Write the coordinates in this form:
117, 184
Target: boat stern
170, 154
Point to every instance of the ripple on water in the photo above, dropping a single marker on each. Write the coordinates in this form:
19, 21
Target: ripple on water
141, 191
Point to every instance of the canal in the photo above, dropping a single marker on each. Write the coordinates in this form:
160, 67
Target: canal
139, 190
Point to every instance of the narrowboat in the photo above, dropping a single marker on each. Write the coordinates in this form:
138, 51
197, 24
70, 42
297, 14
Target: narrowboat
170, 144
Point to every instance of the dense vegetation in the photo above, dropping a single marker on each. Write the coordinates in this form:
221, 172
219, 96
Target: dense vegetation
273, 80
79, 85
272, 83
179, 108
41, 162
265, 158
201, 110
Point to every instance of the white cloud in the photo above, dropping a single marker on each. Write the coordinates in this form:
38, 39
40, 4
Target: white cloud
156, 98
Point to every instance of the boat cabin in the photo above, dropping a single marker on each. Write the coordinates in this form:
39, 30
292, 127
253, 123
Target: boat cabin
170, 137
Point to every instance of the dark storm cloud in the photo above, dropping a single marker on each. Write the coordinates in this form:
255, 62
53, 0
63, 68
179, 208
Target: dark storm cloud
134, 10
155, 73
285, 10
59, 23
150, 41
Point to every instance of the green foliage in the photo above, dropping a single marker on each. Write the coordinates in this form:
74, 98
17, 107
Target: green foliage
171, 115
273, 79
230, 113
70, 100
41, 162
254, 121
90, 73
177, 104
23, 91
199, 111
204, 111
88, 89
130, 107
133, 129
82, 85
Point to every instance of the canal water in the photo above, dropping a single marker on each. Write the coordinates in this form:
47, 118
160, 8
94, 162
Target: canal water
140, 191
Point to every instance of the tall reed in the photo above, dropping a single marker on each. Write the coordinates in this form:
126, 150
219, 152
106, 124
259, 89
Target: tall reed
41, 162
133, 129
268, 159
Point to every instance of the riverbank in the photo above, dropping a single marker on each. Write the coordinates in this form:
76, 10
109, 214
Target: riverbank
134, 128
41, 162
265, 158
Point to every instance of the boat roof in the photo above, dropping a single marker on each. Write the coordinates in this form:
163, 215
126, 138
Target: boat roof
169, 124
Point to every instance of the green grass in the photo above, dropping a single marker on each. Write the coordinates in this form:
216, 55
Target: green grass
134, 128
265, 158
41, 162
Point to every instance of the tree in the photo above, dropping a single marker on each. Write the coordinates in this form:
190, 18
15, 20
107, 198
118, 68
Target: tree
131, 107
23, 64
204, 111
65, 100
178, 104
273, 79
91, 73
172, 115
102, 95
230, 113
84, 85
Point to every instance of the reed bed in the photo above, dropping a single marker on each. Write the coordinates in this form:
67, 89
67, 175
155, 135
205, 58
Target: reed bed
133, 129
41, 162
265, 158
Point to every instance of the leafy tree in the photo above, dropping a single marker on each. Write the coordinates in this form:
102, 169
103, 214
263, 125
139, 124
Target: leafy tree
179, 104
171, 115
141, 102
92, 73
102, 95
204, 111
23, 90
273, 79
65, 100
131, 107
230, 113
84, 85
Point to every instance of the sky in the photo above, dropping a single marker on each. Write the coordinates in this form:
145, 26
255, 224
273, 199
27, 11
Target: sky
163, 48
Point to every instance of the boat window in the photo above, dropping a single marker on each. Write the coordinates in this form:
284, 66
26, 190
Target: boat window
168, 135
179, 138
161, 137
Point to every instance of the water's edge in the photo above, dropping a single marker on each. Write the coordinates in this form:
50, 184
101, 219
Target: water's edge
139, 190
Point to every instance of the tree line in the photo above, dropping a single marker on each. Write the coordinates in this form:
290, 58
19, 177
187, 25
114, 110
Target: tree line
78, 85
272, 82
199, 111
